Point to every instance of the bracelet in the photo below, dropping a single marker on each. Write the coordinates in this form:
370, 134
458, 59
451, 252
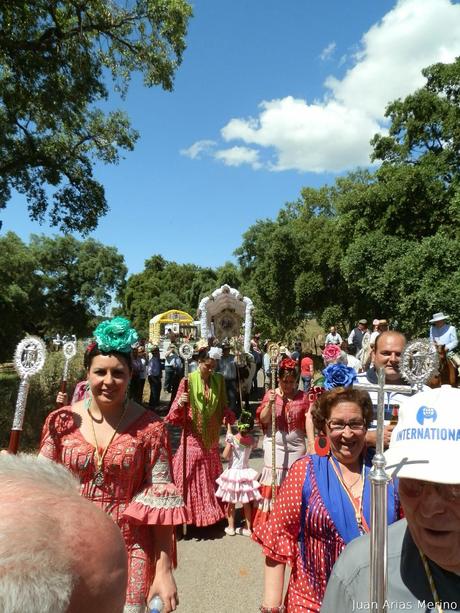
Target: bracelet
280, 609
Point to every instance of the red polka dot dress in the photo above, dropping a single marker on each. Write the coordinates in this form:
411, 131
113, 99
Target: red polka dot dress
289, 443
279, 540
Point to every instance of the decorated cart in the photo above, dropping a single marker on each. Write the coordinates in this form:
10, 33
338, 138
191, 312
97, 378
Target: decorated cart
225, 313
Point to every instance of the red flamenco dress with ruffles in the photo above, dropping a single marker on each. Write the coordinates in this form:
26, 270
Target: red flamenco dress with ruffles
204, 419
289, 443
137, 491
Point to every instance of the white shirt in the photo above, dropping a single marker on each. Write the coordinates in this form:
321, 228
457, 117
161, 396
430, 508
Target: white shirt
333, 339
392, 399
445, 335
354, 362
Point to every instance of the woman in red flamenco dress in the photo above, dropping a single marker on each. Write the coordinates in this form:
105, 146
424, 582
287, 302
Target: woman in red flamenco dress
205, 404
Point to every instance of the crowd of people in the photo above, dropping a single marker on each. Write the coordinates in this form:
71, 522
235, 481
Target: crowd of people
309, 508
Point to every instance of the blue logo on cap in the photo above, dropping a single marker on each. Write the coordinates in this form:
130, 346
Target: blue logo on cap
426, 413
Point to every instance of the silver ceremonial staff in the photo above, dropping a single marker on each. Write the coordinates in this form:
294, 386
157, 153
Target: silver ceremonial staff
186, 353
69, 351
419, 360
274, 350
29, 359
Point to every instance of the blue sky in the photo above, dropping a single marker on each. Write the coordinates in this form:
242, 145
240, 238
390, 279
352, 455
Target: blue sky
271, 96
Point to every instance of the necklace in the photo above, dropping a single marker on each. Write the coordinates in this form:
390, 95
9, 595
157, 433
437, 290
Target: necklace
434, 591
357, 508
99, 474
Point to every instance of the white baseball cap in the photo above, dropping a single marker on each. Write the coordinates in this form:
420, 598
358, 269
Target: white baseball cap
425, 443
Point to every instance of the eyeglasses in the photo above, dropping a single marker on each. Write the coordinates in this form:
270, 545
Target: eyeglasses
355, 425
414, 488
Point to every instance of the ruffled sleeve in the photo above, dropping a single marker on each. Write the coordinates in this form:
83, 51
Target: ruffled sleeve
58, 423
158, 502
278, 536
260, 408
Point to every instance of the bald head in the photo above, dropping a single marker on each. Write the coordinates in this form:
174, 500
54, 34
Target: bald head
56, 548
387, 354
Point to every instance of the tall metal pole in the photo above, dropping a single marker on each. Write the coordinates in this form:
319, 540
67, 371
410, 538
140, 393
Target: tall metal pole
274, 353
379, 524
186, 352
69, 350
29, 359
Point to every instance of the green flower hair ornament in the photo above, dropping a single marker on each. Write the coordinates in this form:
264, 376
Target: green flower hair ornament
115, 335
244, 422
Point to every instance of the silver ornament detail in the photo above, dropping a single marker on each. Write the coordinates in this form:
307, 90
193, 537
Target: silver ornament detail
186, 351
29, 359
419, 362
69, 350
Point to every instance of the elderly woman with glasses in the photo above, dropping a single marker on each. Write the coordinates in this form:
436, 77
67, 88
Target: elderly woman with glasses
323, 504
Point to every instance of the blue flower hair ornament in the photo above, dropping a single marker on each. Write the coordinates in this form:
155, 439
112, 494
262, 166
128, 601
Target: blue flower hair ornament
115, 335
338, 375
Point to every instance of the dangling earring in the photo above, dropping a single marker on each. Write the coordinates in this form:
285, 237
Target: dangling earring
88, 397
322, 445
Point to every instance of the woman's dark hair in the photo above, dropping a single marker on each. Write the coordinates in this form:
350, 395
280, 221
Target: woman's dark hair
321, 410
93, 350
203, 355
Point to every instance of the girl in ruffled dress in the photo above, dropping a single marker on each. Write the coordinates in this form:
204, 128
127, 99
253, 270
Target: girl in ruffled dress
238, 484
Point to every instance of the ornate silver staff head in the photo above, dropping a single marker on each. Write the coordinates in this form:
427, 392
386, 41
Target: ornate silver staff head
186, 351
274, 351
29, 359
29, 356
419, 362
69, 350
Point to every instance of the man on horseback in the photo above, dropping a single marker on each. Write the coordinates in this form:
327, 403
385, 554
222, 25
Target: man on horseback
443, 334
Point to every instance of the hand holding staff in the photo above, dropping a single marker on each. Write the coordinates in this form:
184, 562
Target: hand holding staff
29, 359
69, 350
186, 353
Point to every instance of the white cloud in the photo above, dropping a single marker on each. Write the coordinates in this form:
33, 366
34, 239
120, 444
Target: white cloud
333, 134
236, 156
327, 52
201, 146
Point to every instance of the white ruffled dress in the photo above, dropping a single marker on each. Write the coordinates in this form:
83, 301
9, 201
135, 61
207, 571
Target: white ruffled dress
238, 482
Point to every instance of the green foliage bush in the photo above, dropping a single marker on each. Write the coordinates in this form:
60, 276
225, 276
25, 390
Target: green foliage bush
41, 398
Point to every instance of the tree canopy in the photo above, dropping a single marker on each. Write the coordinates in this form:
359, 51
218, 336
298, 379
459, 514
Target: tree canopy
167, 285
55, 285
53, 59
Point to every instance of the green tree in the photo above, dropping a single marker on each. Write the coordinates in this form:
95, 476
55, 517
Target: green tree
78, 280
19, 293
164, 285
55, 285
54, 55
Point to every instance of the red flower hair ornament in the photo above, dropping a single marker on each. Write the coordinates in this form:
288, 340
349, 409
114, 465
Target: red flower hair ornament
288, 364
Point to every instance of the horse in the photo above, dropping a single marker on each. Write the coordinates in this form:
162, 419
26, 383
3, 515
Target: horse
447, 371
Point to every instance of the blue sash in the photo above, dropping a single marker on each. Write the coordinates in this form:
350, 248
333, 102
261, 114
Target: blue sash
336, 500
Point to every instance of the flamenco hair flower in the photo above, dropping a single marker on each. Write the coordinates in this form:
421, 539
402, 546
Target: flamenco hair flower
338, 375
288, 364
315, 392
331, 352
115, 335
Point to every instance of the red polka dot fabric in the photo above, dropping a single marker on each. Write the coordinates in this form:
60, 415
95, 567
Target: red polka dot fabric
279, 540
